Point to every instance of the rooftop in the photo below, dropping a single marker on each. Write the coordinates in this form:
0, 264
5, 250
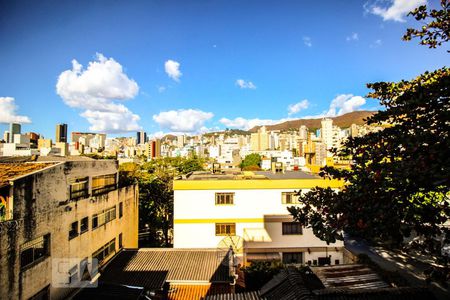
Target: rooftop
349, 276
10, 171
152, 267
246, 175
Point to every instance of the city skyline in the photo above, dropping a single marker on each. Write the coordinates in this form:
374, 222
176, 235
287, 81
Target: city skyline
204, 72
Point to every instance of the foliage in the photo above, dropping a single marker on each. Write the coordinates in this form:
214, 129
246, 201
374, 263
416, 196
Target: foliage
398, 183
155, 179
253, 159
436, 31
259, 273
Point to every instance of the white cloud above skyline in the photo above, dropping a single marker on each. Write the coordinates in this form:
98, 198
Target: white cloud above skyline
96, 90
353, 37
341, 104
183, 120
8, 112
307, 41
295, 108
172, 69
396, 10
245, 84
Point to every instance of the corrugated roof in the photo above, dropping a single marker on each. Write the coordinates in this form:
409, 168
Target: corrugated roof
188, 292
401, 293
349, 276
239, 296
150, 268
10, 171
286, 285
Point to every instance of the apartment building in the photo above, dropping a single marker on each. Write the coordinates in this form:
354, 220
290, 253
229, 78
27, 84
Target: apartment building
55, 217
248, 211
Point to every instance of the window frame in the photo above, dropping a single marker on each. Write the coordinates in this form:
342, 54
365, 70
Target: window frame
45, 240
221, 229
292, 254
284, 197
80, 192
73, 231
81, 225
221, 198
106, 187
287, 228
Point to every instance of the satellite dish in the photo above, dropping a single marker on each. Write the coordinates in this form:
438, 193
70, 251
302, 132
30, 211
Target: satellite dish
234, 242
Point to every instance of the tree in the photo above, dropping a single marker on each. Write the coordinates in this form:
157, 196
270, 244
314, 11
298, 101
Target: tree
436, 31
251, 161
155, 179
399, 181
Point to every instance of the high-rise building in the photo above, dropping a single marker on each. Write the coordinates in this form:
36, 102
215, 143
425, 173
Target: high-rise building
260, 140
141, 137
61, 133
327, 132
6, 136
14, 128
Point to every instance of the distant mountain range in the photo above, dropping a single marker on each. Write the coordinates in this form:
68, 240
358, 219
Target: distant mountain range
343, 121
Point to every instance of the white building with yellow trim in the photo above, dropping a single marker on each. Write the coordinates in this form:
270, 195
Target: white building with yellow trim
249, 212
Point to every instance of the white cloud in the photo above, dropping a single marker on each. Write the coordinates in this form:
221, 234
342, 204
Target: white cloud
246, 124
307, 41
295, 108
8, 112
96, 90
345, 103
173, 69
376, 43
395, 11
161, 89
245, 84
183, 120
353, 37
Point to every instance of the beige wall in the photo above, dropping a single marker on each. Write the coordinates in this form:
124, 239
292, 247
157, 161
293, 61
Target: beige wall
41, 206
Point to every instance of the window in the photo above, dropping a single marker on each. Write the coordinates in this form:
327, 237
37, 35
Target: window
80, 188
73, 232
103, 184
224, 198
291, 228
120, 209
94, 221
104, 217
34, 251
120, 241
225, 228
84, 225
289, 198
104, 252
292, 257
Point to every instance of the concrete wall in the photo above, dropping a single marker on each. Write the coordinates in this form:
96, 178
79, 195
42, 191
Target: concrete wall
42, 206
258, 215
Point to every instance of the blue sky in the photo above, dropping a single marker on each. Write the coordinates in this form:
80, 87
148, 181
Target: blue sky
192, 66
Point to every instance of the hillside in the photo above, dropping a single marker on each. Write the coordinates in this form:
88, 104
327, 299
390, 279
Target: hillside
344, 121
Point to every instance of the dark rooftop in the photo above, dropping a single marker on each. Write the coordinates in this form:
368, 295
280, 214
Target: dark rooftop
10, 171
287, 175
151, 268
